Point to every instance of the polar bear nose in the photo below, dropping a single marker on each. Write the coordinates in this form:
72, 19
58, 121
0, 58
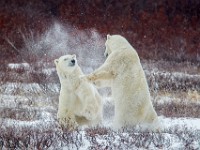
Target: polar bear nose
73, 61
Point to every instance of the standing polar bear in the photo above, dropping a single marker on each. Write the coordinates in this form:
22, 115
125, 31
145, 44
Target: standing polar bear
79, 101
122, 71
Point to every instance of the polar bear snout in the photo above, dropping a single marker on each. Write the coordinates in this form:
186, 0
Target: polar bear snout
72, 62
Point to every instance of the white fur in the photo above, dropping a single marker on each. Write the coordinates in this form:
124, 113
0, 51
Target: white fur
122, 71
79, 101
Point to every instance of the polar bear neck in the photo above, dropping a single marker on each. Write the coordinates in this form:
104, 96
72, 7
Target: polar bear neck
66, 75
70, 80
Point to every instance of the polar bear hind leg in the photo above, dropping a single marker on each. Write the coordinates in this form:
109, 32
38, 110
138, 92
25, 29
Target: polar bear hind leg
67, 120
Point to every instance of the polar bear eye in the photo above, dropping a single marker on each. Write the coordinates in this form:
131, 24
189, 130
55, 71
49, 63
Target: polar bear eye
65, 59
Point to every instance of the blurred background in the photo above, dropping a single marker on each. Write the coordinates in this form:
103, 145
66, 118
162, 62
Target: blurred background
157, 29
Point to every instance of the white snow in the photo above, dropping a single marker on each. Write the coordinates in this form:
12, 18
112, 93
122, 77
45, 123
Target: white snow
18, 65
24, 96
191, 123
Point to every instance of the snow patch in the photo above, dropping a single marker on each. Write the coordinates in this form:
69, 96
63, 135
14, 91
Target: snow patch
18, 65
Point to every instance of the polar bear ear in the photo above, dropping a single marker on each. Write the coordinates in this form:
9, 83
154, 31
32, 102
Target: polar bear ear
74, 56
108, 36
56, 61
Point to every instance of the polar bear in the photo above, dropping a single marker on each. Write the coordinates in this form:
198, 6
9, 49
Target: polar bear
79, 101
122, 71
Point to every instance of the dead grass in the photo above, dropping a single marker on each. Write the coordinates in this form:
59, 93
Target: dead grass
178, 109
193, 96
97, 138
34, 105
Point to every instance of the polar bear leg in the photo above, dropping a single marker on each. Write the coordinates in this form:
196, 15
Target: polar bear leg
117, 122
91, 112
67, 120
102, 73
91, 108
102, 83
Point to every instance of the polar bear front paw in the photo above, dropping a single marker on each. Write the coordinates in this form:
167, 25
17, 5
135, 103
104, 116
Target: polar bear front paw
83, 77
87, 78
97, 83
91, 77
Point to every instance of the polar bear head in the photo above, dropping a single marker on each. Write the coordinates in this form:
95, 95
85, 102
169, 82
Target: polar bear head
114, 43
66, 64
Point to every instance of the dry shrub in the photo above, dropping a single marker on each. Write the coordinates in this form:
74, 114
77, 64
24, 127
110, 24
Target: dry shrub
134, 139
157, 29
29, 139
19, 113
173, 81
178, 109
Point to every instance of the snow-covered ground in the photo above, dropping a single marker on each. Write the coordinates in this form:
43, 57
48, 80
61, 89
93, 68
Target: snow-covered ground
31, 108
